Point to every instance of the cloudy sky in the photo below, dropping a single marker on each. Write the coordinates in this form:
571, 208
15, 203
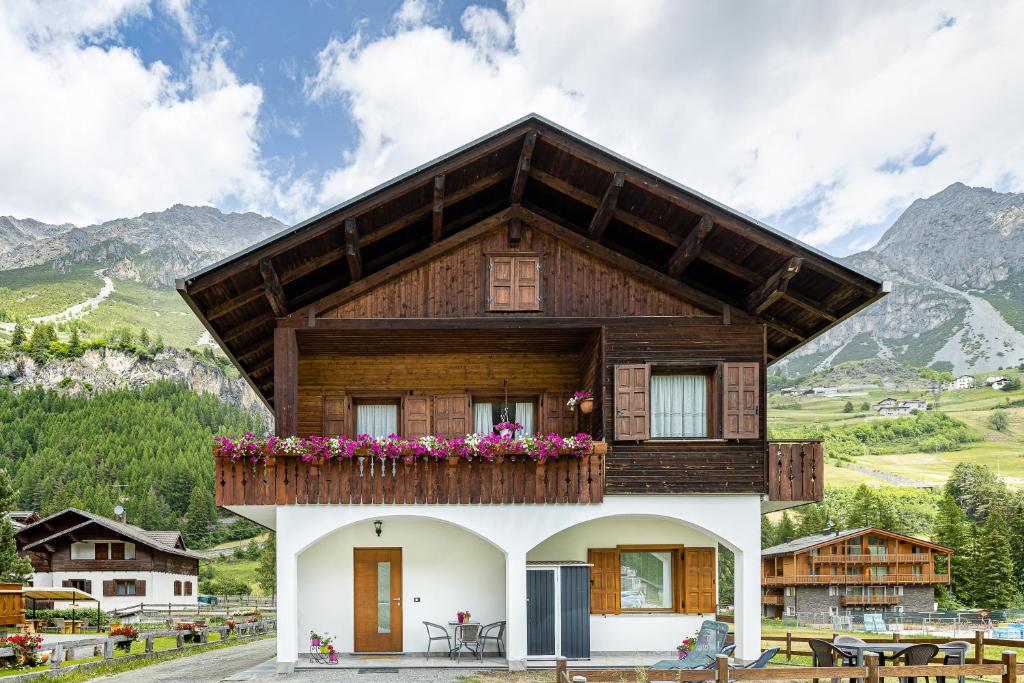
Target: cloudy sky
825, 119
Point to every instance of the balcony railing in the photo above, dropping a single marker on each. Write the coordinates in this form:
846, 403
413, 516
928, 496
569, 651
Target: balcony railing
772, 600
796, 471
907, 558
859, 579
862, 600
288, 480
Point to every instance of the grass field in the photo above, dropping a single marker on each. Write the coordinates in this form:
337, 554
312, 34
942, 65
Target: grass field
242, 570
39, 290
1003, 451
160, 311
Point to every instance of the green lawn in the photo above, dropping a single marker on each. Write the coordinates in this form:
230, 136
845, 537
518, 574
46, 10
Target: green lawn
160, 311
38, 290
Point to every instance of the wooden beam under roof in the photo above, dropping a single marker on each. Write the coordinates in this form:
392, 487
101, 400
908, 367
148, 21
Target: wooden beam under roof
438, 218
515, 231
246, 327
772, 289
272, 288
225, 307
523, 168
784, 328
352, 250
607, 206
691, 247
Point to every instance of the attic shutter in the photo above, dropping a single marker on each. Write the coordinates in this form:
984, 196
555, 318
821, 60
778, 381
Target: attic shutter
336, 411
451, 415
415, 416
740, 400
108, 588
101, 551
140, 587
701, 595
632, 391
604, 580
555, 416
527, 283
117, 551
501, 274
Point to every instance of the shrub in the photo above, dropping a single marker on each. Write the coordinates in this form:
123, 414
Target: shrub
999, 420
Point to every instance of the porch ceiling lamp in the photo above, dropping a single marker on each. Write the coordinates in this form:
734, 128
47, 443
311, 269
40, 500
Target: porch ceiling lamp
377, 524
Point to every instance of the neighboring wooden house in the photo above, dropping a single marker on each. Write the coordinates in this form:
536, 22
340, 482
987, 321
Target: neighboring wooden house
117, 563
962, 382
21, 518
864, 569
496, 281
898, 407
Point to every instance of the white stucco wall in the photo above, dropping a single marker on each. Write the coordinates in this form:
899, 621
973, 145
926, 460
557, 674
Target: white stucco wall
159, 587
518, 530
633, 632
444, 567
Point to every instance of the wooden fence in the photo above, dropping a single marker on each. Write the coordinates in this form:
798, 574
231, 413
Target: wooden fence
60, 651
1006, 668
171, 609
977, 656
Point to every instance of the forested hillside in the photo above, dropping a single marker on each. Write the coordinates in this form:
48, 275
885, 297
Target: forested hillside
150, 445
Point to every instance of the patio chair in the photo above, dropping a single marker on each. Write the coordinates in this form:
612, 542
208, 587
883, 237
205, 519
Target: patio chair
56, 625
468, 636
728, 650
824, 653
437, 632
762, 661
710, 641
493, 632
917, 655
840, 641
958, 656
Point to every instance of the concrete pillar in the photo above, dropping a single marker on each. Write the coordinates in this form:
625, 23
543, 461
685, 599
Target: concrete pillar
287, 604
748, 596
515, 609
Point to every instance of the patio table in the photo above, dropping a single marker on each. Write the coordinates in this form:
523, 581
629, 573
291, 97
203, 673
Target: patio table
885, 649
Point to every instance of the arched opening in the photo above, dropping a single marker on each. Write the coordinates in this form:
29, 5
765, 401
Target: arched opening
442, 568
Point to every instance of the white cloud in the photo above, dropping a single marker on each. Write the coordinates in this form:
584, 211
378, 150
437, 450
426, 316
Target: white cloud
90, 132
765, 107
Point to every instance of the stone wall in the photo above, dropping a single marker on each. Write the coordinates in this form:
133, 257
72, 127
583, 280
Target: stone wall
918, 598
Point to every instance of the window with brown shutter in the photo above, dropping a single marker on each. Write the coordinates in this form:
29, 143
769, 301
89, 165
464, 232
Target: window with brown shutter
514, 283
604, 580
452, 415
117, 551
700, 581
177, 587
188, 588
741, 400
336, 412
109, 589
101, 551
415, 416
556, 416
140, 587
632, 402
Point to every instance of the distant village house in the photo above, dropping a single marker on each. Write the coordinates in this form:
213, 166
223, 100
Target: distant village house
897, 407
962, 382
996, 382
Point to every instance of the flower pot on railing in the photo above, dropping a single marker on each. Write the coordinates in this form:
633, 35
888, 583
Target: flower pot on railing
587, 406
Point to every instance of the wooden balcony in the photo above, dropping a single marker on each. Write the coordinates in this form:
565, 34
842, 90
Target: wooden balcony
865, 600
908, 558
288, 480
859, 579
772, 600
795, 473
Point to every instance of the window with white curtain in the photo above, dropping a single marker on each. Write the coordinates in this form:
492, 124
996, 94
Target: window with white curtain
486, 415
377, 420
679, 406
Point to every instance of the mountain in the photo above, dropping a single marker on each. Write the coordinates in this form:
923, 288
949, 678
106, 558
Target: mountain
956, 261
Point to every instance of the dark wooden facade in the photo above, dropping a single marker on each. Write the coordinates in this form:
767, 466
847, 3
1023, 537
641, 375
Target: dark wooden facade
530, 264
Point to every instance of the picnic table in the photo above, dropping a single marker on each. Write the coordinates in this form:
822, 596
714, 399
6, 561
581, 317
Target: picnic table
886, 649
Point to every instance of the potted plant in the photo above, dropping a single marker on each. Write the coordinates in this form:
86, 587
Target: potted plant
326, 644
191, 631
582, 399
129, 632
25, 647
332, 655
314, 639
684, 647
464, 616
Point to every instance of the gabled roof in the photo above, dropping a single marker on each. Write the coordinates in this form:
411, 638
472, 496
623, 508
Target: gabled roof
811, 542
547, 177
55, 526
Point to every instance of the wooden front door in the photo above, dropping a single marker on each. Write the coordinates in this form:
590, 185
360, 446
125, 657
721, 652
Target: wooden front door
377, 574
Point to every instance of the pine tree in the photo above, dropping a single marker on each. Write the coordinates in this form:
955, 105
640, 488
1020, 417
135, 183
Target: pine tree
1016, 532
144, 338
768, 534
202, 515
266, 570
13, 567
952, 530
813, 522
74, 344
159, 345
786, 531
18, 337
994, 583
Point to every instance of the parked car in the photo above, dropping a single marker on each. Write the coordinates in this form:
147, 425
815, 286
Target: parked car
207, 599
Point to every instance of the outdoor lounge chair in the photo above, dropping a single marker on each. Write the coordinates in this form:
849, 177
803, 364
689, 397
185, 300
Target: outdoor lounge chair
437, 632
762, 661
493, 632
956, 657
917, 655
824, 653
728, 650
710, 641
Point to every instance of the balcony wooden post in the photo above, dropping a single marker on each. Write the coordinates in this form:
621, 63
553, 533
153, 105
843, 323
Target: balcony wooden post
979, 647
286, 374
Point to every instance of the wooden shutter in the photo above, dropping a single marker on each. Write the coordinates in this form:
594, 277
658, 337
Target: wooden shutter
117, 551
741, 401
452, 415
632, 394
177, 587
415, 416
101, 551
699, 581
336, 412
66, 583
556, 416
604, 580
140, 587
500, 283
527, 283
109, 589
188, 588
88, 586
